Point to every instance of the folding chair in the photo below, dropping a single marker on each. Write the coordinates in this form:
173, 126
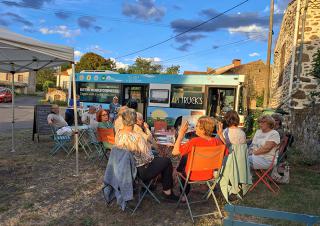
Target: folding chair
202, 159
264, 176
60, 141
283, 149
105, 135
143, 189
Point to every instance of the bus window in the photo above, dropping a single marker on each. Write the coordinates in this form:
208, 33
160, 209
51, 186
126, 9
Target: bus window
189, 97
159, 96
98, 92
86, 91
105, 92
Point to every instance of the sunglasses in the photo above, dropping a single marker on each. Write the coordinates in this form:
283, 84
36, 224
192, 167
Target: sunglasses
104, 115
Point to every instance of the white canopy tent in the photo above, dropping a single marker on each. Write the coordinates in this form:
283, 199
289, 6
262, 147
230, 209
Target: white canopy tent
20, 54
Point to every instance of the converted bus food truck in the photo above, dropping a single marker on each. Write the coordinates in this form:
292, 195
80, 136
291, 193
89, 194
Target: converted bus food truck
164, 97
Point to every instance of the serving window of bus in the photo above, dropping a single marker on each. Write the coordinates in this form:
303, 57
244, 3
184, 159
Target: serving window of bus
98, 92
220, 100
188, 97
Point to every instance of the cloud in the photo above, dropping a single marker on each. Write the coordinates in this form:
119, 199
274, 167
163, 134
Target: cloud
143, 9
152, 59
62, 15
185, 47
186, 38
176, 7
222, 22
120, 64
88, 22
78, 53
252, 31
62, 30
279, 7
97, 48
29, 29
34, 4
16, 18
254, 54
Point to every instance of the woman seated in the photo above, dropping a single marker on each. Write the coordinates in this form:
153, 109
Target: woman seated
105, 123
264, 144
148, 166
233, 134
204, 129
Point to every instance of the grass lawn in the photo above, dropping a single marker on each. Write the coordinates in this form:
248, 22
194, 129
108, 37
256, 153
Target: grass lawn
38, 189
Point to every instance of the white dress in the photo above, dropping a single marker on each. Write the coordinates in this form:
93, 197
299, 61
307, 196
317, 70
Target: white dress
260, 138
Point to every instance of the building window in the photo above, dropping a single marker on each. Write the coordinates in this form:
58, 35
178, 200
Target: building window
282, 66
20, 78
190, 97
65, 85
8, 77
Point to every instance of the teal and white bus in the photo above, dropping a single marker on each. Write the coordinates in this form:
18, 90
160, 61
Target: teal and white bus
164, 97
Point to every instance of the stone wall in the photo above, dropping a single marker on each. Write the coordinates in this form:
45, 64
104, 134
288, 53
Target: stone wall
306, 131
255, 79
282, 57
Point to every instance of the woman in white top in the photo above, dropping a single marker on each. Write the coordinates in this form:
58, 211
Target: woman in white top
264, 144
233, 134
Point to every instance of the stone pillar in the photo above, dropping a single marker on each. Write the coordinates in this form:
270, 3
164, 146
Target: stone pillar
31, 82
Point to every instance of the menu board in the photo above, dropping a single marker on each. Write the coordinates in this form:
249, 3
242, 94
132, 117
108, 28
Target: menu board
40, 122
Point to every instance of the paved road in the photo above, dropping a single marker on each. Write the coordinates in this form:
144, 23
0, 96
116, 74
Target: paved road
24, 106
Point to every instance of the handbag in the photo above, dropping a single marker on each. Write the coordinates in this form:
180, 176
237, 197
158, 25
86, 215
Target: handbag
281, 179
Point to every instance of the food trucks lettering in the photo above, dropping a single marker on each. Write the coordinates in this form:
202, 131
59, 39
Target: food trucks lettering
188, 100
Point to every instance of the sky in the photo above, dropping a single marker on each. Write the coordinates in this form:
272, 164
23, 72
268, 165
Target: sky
119, 28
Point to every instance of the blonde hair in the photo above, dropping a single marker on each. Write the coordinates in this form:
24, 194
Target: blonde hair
268, 119
122, 109
206, 124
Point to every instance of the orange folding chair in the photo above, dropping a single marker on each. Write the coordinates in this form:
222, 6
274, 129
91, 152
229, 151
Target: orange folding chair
106, 135
264, 176
202, 159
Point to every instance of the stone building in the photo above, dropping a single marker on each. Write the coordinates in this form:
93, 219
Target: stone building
292, 84
255, 72
25, 82
255, 76
296, 94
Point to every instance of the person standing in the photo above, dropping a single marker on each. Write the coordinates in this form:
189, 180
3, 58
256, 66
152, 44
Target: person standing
113, 108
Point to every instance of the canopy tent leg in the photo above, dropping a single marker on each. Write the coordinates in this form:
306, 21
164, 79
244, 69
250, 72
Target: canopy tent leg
12, 109
75, 118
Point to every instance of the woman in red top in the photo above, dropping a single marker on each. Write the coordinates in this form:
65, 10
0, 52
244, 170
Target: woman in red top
204, 129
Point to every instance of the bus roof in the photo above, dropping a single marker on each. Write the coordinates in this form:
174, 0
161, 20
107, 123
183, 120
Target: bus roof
231, 80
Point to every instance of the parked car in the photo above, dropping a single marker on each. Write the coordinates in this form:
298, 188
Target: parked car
5, 95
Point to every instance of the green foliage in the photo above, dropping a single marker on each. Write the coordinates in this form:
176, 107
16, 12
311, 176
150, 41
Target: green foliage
43, 101
259, 101
47, 84
44, 75
65, 66
144, 66
316, 65
60, 103
122, 71
173, 70
251, 124
93, 61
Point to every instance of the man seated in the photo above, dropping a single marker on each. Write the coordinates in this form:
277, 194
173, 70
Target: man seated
58, 122
89, 118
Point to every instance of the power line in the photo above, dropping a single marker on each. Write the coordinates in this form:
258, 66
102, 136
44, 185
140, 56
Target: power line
188, 30
209, 51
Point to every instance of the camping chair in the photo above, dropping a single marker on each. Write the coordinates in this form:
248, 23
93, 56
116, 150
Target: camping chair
143, 189
202, 159
283, 149
97, 145
263, 175
105, 135
60, 141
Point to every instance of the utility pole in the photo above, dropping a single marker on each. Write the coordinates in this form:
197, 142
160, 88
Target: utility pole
267, 83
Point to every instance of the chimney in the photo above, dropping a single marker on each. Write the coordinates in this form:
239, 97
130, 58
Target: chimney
236, 62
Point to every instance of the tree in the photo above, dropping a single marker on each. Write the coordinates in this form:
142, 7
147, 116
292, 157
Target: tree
93, 61
65, 66
144, 66
173, 70
43, 75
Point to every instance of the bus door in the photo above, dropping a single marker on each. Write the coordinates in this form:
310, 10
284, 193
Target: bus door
137, 93
220, 100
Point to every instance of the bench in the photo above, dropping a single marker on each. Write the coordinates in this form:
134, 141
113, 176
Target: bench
265, 213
